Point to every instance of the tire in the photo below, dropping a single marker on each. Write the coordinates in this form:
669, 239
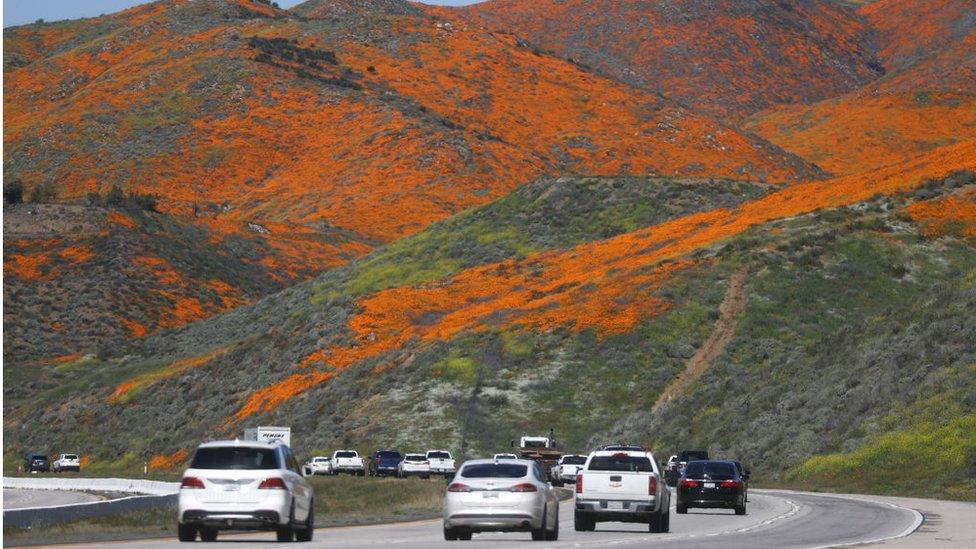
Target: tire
186, 532
681, 509
450, 534
666, 523
464, 536
307, 530
740, 510
540, 534
553, 535
207, 534
287, 532
360, 473
582, 523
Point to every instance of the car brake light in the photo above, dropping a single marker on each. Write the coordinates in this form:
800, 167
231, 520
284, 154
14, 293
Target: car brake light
729, 484
273, 483
191, 482
652, 485
458, 487
524, 487
685, 483
579, 483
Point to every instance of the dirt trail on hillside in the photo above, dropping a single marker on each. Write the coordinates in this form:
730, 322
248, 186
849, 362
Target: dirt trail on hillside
732, 306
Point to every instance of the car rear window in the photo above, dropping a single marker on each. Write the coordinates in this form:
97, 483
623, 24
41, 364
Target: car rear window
70, 456
389, 455
621, 463
415, 457
692, 456
38, 456
234, 457
710, 469
321, 460
346, 454
574, 460
494, 470
439, 455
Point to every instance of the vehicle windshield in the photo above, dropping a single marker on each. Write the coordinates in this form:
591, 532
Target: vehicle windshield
389, 455
716, 470
494, 470
346, 454
320, 460
622, 462
70, 456
37, 456
415, 457
574, 460
439, 455
234, 457
692, 456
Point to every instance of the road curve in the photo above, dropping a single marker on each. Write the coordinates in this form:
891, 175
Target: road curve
774, 519
17, 498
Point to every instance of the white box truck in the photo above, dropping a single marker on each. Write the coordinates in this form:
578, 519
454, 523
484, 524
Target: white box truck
269, 434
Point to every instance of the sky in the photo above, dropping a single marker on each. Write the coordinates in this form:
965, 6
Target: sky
19, 12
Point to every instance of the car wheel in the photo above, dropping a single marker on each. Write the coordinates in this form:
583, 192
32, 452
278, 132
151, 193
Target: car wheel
208, 534
287, 532
186, 532
581, 523
740, 510
308, 528
450, 534
666, 522
681, 509
465, 535
553, 535
361, 473
540, 534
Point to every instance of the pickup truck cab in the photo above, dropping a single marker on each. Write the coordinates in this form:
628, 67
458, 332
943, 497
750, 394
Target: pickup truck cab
348, 461
441, 463
621, 486
66, 462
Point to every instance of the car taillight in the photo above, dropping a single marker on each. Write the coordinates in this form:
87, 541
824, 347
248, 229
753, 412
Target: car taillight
191, 483
579, 483
458, 487
524, 487
685, 483
652, 485
729, 484
273, 483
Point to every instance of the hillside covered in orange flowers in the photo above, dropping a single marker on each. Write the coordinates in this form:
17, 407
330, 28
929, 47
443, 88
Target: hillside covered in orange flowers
395, 225
724, 57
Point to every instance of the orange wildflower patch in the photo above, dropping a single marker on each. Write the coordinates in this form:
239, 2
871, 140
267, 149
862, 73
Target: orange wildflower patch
77, 254
125, 389
26, 266
65, 358
161, 268
168, 461
605, 285
954, 215
136, 329
120, 218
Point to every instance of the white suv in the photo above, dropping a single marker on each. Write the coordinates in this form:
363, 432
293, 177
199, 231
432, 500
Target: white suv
245, 485
66, 462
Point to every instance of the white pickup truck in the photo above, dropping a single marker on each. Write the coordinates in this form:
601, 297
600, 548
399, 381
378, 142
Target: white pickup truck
441, 463
348, 461
565, 471
621, 486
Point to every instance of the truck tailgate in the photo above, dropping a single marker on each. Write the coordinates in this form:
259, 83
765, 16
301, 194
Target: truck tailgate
615, 485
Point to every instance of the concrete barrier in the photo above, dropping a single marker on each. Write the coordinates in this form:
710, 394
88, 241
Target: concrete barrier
152, 494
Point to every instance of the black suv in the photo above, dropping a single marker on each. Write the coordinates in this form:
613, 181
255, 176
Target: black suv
37, 462
711, 484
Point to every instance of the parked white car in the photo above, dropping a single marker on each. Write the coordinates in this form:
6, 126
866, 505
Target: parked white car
621, 486
348, 461
414, 465
488, 495
319, 465
441, 463
244, 485
66, 462
565, 471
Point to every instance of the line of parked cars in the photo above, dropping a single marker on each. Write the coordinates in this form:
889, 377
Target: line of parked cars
384, 463
40, 463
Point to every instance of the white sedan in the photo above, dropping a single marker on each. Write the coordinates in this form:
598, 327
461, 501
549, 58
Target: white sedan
244, 485
490, 495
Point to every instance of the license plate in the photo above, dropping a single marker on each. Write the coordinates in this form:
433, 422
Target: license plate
486, 495
709, 485
232, 487
615, 505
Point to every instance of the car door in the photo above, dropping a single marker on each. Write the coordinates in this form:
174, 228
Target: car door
301, 490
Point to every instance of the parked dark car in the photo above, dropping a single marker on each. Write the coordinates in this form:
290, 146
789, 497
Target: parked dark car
711, 484
384, 462
37, 462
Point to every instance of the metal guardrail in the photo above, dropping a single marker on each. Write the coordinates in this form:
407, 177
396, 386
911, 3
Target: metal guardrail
152, 494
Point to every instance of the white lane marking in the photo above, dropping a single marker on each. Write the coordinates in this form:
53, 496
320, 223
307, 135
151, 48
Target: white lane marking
917, 521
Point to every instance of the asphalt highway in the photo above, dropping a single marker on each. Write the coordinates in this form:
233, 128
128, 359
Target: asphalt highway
18, 498
774, 519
